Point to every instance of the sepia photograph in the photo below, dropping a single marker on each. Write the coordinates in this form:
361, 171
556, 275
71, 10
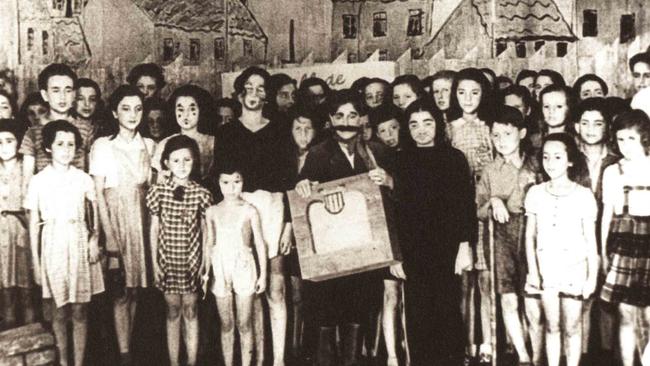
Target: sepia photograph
325, 182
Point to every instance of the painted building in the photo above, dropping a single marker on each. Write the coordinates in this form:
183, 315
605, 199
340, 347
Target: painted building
205, 32
297, 28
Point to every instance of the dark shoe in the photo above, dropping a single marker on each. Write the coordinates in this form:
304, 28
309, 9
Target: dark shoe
326, 351
351, 345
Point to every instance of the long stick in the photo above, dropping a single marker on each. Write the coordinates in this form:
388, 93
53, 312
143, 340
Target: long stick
493, 295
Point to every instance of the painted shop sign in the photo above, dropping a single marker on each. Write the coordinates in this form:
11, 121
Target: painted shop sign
337, 76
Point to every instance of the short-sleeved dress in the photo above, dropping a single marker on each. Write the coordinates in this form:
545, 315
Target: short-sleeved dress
179, 238
561, 245
67, 276
15, 254
206, 151
126, 167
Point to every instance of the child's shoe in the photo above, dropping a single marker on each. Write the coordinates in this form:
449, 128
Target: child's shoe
485, 354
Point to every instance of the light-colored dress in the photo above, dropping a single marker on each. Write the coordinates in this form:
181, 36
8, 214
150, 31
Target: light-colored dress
15, 255
67, 276
270, 208
561, 245
126, 167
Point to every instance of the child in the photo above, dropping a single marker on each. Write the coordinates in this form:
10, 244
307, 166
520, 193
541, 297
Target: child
441, 90
406, 90
590, 86
385, 124
33, 110
375, 92
155, 117
189, 106
561, 246
64, 245
526, 78
16, 280
57, 84
500, 195
121, 167
89, 106
624, 232
468, 131
546, 78
228, 110
177, 207
557, 104
148, 78
518, 96
7, 107
233, 229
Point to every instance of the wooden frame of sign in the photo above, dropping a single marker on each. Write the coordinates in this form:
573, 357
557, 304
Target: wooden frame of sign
344, 227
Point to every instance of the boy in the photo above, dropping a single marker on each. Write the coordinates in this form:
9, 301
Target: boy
385, 125
57, 83
500, 196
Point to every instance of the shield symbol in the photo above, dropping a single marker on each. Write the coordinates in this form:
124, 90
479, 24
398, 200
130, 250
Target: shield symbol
334, 202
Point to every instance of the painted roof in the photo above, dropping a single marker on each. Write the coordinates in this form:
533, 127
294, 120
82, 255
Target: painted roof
524, 19
241, 22
190, 15
70, 45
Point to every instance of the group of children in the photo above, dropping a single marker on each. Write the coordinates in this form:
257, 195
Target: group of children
119, 197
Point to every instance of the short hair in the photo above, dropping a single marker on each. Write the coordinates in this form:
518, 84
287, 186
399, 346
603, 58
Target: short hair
381, 81
485, 108
577, 85
14, 127
241, 79
635, 119
12, 102
203, 101
443, 74
578, 166
300, 110
508, 115
639, 57
89, 83
424, 105
34, 98
596, 104
148, 69
555, 76
524, 74
55, 70
233, 104
519, 90
60, 125
276, 82
412, 81
157, 104
383, 113
342, 97
314, 81
179, 142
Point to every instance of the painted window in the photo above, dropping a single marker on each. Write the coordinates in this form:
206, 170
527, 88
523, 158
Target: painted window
76, 6
520, 49
379, 24
539, 44
58, 5
219, 49
628, 30
501, 47
248, 47
30, 39
349, 26
589, 23
195, 50
168, 49
383, 55
46, 42
415, 22
561, 49
352, 57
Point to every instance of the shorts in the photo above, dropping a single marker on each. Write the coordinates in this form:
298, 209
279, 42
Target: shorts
270, 208
510, 255
234, 272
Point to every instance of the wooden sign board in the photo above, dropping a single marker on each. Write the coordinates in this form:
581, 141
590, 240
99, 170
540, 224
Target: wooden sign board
344, 227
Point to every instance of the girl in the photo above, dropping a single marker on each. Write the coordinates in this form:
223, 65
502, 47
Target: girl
406, 90
189, 104
624, 233
468, 131
441, 83
375, 92
590, 86
121, 167
547, 78
557, 104
148, 78
177, 207
89, 105
156, 118
282, 93
7, 106
16, 280
561, 246
437, 218
64, 245
33, 110
233, 229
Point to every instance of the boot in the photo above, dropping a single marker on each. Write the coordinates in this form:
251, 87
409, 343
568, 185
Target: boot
351, 345
326, 351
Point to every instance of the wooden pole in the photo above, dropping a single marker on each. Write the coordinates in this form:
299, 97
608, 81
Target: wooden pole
493, 294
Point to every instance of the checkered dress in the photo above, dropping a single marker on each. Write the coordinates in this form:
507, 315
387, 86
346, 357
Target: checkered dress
179, 237
473, 139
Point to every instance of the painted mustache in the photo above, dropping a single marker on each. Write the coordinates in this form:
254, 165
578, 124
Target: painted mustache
347, 128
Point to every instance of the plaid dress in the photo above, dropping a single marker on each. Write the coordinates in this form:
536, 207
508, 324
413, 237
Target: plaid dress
179, 238
628, 279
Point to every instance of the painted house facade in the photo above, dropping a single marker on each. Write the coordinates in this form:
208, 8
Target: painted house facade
215, 33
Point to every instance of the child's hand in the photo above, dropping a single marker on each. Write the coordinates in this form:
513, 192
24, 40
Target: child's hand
93, 249
499, 210
158, 273
398, 271
589, 287
37, 274
260, 285
285, 242
381, 178
464, 258
303, 188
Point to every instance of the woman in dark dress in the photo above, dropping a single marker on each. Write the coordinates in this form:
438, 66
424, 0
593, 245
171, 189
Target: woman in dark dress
437, 218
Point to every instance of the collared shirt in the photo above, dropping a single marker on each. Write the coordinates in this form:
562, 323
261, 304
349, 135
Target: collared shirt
595, 166
348, 155
503, 180
109, 156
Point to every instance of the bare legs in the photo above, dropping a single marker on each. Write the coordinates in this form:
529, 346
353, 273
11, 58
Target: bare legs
514, 328
182, 308
60, 319
389, 319
277, 309
244, 321
124, 314
296, 300
535, 328
564, 312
